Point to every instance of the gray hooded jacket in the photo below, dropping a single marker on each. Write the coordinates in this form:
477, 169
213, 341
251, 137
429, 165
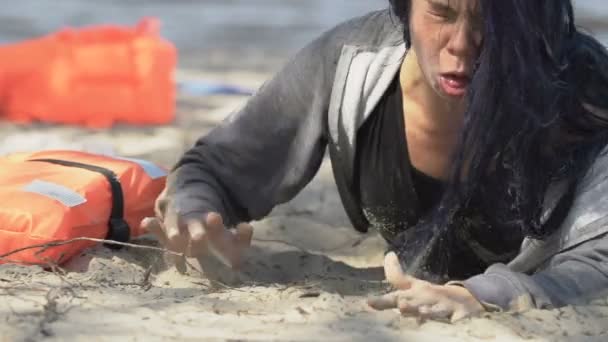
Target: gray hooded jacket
267, 151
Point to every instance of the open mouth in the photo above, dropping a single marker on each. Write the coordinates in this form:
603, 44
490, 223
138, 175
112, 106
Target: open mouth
454, 84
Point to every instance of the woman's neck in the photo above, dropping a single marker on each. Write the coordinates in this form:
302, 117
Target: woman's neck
427, 110
432, 124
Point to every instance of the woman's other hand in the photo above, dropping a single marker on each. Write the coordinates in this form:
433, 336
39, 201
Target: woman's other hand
196, 236
415, 297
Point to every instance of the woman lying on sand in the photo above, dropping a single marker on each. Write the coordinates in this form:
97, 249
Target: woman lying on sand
468, 133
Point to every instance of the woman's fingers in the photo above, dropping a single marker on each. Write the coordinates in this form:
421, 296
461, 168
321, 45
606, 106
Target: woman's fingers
220, 242
423, 300
408, 302
460, 314
201, 236
405, 307
226, 245
153, 226
430, 301
214, 225
384, 302
150, 225
196, 230
173, 227
440, 310
239, 240
394, 273
243, 235
411, 301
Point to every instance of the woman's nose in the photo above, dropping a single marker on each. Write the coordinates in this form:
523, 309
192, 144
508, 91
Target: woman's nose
463, 41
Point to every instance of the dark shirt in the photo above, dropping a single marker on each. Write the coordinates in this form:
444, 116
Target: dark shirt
395, 196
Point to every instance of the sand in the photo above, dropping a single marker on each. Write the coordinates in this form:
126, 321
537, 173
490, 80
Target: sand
306, 277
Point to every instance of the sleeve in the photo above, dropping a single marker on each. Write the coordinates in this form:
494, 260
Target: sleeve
265, 153
571, 278
576, 272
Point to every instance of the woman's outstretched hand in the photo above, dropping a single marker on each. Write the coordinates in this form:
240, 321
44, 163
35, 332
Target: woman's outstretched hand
202, 236
415, 297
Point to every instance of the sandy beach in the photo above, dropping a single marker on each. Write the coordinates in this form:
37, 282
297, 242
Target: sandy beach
306, 277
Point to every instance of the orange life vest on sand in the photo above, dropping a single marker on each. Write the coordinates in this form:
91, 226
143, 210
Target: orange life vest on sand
60, 195
94, 76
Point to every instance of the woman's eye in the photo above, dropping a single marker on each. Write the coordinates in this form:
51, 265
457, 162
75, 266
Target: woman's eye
442, 12
439, 14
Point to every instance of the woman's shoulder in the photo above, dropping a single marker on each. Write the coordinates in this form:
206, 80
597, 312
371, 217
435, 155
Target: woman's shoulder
588, 214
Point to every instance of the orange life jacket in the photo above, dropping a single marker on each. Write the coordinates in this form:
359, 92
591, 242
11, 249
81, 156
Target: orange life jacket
61, 195
93, 76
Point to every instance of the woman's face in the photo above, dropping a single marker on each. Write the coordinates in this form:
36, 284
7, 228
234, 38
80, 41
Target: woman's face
446, 36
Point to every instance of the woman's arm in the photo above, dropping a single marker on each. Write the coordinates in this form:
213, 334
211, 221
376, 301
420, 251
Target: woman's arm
575, 275
266, 152
571, 277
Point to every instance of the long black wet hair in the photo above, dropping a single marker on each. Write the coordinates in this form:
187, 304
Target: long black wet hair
534, 117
